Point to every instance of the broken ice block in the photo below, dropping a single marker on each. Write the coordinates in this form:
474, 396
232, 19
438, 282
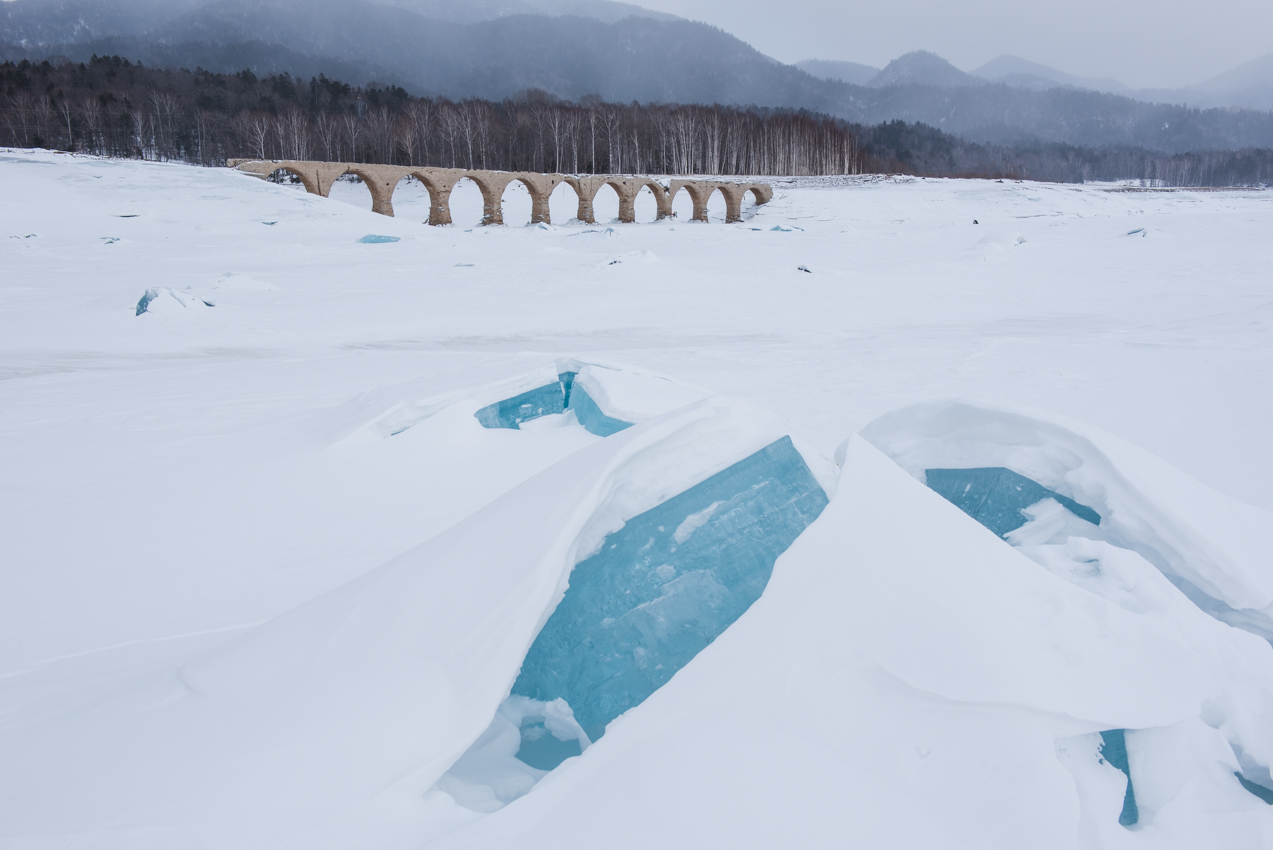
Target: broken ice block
591, 417
551, 398
995, 496
664, 586
512, 412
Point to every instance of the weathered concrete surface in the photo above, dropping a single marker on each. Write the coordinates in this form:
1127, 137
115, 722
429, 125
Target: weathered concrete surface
381, 180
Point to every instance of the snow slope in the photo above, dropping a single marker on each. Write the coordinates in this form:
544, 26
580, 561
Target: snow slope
264, 576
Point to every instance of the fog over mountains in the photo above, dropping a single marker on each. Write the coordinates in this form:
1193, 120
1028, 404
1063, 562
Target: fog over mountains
621, 52
1248, 86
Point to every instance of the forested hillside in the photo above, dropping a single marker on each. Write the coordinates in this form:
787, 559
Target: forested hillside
117, 107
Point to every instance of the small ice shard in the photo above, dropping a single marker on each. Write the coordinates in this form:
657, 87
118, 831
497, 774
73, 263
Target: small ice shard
148, 296
1114, 750
996, 496
666, 584
526, 739
1258, 790
376, 239
169, 300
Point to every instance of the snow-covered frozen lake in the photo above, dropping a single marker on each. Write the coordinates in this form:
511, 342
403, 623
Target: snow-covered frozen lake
294, 409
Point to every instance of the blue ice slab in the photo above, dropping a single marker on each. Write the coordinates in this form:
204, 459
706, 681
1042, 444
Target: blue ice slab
376, 239
1114, 749
1265, 794
995, 496
666, 584
512, 412
591, 417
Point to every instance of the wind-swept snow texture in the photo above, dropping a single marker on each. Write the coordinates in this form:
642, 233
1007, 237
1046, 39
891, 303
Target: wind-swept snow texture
267, 582
667, 584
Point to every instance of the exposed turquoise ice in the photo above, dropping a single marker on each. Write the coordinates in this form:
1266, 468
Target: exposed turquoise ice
1260, 791
551, 398
591, 417
1114, 749
541, 748
375, 239
512, 412
995, 496
567, 380
148, 296
667, 584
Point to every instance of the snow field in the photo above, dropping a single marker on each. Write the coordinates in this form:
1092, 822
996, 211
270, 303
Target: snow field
265, 576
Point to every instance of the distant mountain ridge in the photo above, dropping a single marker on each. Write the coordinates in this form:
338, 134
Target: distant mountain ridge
1022, 73
601, 48
1249, 86
846, 72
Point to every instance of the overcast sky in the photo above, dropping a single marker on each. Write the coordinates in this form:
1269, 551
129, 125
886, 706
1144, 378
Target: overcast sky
1164, 43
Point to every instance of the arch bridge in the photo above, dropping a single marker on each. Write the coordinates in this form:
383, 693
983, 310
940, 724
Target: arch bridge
381, 180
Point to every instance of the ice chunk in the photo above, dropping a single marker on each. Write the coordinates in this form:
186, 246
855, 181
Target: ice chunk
376, 239
1114, 749
629, 395
667, 583
526, 739
564, 395
590, 415
147, 296
168, 300
512, 412
996, 496
1260, 791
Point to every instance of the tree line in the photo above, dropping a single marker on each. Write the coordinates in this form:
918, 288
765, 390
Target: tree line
114, 107
898, 147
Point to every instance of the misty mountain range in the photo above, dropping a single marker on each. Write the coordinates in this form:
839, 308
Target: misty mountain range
1248, 86
572, 48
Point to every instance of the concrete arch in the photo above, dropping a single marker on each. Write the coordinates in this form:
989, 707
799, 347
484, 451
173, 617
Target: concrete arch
493, 184
381, 180
699, 192
308, 172
626, 188
306, 176
761, 193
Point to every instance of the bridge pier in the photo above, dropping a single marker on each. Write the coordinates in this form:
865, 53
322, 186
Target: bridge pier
699, 191
439, 182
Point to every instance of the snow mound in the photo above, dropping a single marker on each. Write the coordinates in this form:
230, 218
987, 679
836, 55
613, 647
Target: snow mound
167, 302
915, 679
1215, 549
1156, 544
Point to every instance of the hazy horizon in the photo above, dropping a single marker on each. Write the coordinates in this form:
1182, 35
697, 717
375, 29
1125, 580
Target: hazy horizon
1136, 44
